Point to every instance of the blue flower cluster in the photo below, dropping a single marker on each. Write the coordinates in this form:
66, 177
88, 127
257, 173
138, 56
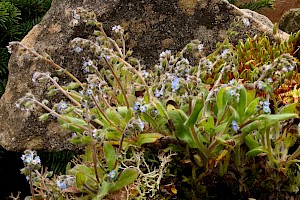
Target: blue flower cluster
112, 174
31, 159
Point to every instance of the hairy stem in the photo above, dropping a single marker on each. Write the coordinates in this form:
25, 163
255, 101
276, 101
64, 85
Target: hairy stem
92, 141
56, 66
64, 92
31, 186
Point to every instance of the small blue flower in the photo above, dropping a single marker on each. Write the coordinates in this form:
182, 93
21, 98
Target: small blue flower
141, 124
266, 109
231, 82
143, 108
62, 105
89, 92
291, 68
158, 93
270, 80
225, 53
36, 160
235, 126
232, 92
165, 54
136, 106
76, 16
78, 49
62, 185
90, 62
265, 106
112, 174
266, 103
117, 29
175, 84
185, 61
260, 85
28, 159
86, 69
145, 73
284, 69
200, 47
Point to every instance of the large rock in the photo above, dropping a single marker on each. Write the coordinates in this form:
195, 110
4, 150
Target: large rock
290, 21
153, 25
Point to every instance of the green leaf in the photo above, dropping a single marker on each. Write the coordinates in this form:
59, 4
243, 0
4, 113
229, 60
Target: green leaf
105, 187
255, 125
241, 107
288, 109
150, 120
208, 124
110, 155
235, 114
128, 115
122, 110
222, 98
221, 127
256, 151
178, 117
274, 118
114, 116
72, 127
76, 121
147, 138
127, 177
250, 110
195, 113
101, 118
80, 180
161, 110
289, 140
44, 117
251, 142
